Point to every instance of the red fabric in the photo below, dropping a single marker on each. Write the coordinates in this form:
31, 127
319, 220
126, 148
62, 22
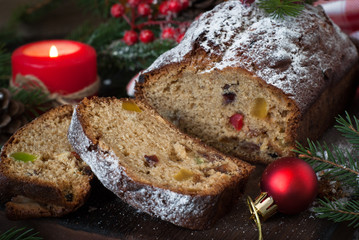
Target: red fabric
345, 13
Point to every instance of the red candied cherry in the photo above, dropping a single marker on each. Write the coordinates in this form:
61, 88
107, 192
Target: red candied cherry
133, 3
168, 33
163, 8
117, 10
146, 36
174, 6
143, 9
180, 37
130, 37
237, 121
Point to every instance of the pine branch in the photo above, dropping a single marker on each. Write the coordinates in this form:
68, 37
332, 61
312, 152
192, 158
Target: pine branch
19, 234
138, 56
281, 8
106, 33
337, 164
35, 101
349, 129
339, 212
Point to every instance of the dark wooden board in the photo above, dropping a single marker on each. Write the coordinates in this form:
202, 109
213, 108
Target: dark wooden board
104, 216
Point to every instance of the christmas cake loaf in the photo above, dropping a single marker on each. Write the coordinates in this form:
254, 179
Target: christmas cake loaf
40, 174
149, 164
250, 85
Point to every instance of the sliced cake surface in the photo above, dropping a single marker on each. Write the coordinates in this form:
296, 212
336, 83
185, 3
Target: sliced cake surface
40, 174
251, 85
152, 166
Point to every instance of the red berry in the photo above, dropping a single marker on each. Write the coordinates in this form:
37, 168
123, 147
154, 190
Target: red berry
184, 4
133, 3
237, 121
174, 6
163, 8
146, 36
130, 37
180, 37
117, 10
143, 9
168, 33
247, 2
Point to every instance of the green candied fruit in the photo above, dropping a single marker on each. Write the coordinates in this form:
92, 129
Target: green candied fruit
24, 157
199, 160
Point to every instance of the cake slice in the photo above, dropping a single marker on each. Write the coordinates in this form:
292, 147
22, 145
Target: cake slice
40, 174
250, 85
152, 166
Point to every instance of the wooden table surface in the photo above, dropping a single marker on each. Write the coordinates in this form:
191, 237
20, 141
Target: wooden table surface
104, 216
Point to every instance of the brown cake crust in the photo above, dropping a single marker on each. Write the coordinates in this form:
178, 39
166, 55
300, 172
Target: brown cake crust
306, 60
28, 197
178, 206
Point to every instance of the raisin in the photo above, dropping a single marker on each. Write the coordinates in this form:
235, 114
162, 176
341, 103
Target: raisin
228, 97
222, 169
151, 160
226, 86
76, 155
69, 197
273, 155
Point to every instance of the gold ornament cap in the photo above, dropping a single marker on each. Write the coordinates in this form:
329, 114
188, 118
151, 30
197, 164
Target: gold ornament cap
263, 205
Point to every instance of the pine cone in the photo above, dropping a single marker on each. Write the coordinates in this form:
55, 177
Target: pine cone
11, 115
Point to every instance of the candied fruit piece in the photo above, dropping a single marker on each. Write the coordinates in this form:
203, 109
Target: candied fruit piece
228, 97
237, 121
23, 156
130, 106
260, 108
183, 175
151, 160
199, 160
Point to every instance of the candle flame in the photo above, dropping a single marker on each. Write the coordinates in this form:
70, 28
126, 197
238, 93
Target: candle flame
53, 52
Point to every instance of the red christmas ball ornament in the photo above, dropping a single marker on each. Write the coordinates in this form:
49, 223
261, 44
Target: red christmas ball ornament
292, 183
174, 6
168, 33
143, 9
146, 36
288, 185
117, 10
130, 37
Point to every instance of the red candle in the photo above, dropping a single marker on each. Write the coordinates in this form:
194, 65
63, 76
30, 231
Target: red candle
63, 66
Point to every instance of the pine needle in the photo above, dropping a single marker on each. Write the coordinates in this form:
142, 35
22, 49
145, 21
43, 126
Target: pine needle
349, 129
34, 100
19, 234
138, 56
339, 165
339, 212
281, 8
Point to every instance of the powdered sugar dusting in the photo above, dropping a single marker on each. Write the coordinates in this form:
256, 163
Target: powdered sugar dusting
180, 209
300, 56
